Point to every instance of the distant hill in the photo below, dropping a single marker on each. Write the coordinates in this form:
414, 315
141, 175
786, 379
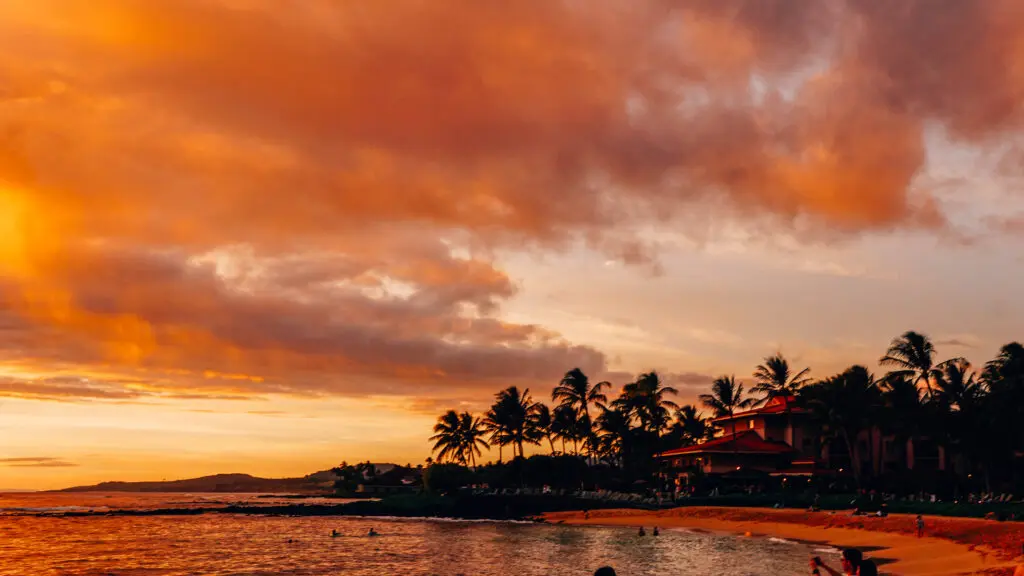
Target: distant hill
313, 484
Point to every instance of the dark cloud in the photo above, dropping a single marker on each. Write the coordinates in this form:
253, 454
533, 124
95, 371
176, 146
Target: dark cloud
308, 198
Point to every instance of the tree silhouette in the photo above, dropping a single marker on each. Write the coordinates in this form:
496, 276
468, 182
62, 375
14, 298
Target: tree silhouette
575, 391
773, 378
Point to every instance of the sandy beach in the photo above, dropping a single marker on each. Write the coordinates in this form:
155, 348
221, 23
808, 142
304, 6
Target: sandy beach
952, 546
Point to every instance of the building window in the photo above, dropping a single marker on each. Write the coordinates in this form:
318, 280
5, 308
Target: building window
751, 425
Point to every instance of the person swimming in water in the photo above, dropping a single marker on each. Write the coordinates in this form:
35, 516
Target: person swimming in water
335, 533
372, 532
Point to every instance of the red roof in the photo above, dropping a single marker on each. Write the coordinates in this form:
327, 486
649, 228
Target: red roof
746, 442
777, 405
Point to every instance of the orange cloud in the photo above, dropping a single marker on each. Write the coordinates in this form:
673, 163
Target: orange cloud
311, 195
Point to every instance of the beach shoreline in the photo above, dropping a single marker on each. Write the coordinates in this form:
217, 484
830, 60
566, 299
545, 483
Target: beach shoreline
952, 546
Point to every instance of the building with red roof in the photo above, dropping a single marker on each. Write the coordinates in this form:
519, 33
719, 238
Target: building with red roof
769, 439
777, 439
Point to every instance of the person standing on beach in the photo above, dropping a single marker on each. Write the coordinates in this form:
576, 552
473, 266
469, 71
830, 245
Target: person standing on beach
920, 526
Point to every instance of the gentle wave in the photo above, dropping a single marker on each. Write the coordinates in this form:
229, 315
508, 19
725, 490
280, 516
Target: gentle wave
439, 519
781, 540
53, 509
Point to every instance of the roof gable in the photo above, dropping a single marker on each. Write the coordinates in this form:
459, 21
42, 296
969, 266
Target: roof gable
746, 442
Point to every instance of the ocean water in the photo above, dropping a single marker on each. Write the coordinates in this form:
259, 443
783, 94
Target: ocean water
34, 542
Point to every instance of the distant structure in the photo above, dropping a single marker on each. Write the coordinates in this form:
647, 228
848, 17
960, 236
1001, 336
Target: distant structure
777, 439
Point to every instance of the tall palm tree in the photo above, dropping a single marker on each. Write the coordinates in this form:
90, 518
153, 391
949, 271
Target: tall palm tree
913, 355
1003, 377
496, 423
958, 403
575, 391
1007, 368
543, 422
774, 378
902, 413
472, 432
646, 399
513, 412
615, 433
843, 406
956, 384
458, 437
690, 426
565, 425
448, 437
726, 397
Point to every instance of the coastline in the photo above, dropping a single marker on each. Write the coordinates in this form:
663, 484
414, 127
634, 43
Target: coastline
953, 546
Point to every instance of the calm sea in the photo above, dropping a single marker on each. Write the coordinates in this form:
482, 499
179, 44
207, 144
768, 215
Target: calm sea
33, 542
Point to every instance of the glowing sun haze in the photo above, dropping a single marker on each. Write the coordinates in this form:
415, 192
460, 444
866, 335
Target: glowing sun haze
265, 236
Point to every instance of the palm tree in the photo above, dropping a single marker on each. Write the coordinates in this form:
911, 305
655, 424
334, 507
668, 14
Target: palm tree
565, 425
615, 433
448, 437
690, 426
645, 398
1007, 368
773, 378
512, 413
1004, 378
575, 391
958, 402
726, 397
543, 423
459, 438
498, 429
473, 431
955, 384
843, 406
913, 355
903, 413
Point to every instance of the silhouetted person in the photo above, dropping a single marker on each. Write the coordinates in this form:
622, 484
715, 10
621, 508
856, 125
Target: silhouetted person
852, 559
372, 532
920, 526
605, 571
655, 532
867, 568
335, 534
641, 532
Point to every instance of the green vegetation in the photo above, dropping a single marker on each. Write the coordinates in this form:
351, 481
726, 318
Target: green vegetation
919, 406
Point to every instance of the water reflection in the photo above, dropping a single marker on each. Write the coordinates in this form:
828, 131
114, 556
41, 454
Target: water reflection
237, 544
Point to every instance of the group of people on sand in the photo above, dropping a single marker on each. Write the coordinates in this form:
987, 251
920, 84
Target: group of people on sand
643, 532
853, 564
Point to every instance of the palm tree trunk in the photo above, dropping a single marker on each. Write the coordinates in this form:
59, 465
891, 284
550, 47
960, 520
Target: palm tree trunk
854, 454
551, 441
590, 428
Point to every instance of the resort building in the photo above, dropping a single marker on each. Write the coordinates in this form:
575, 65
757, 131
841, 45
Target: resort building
777, 439
773, 439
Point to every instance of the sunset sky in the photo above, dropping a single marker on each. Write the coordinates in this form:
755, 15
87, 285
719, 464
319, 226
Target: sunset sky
266, 236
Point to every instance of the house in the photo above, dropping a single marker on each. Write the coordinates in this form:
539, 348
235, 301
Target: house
778, 439
771, 439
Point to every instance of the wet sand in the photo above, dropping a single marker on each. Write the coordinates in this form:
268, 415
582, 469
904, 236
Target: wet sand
952, 546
